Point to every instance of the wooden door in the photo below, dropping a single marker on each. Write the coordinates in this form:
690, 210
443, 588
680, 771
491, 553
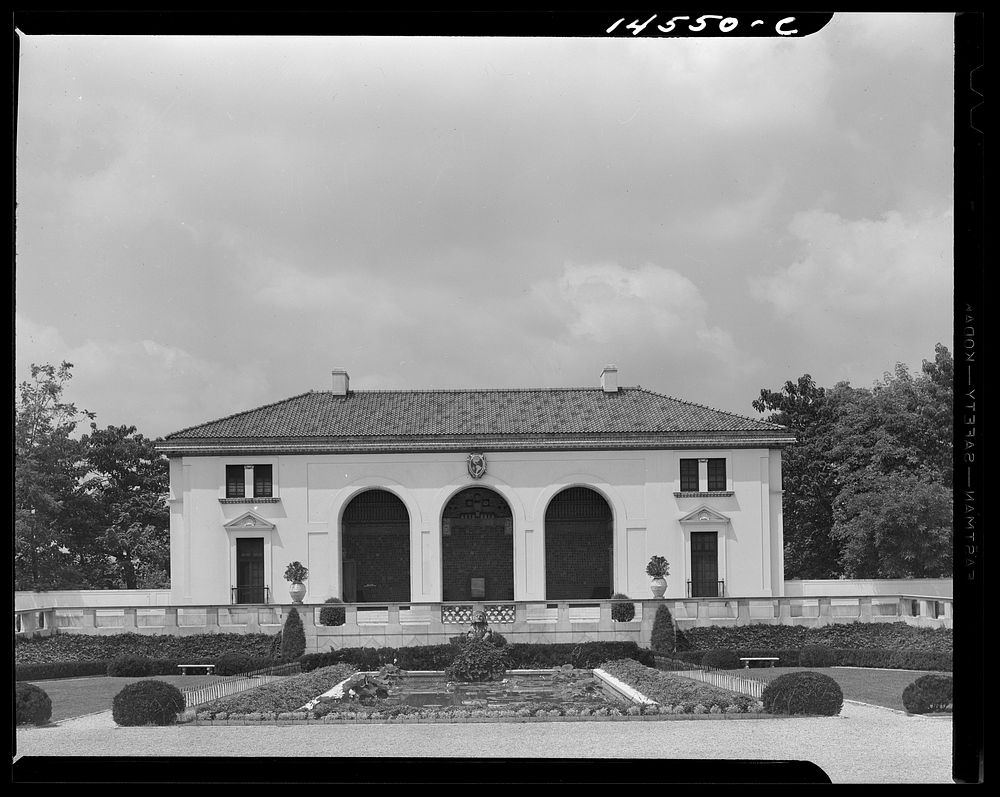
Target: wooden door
250, 570
704, 564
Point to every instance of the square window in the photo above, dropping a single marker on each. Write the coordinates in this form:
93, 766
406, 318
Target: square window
234, 481
689, 475
717, 475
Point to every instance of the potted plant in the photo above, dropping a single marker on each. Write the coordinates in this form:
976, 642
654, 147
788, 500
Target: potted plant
295, 574
657, 569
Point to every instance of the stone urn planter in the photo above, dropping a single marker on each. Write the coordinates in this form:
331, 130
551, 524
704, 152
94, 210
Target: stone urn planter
297, 591
296, 574
657, 569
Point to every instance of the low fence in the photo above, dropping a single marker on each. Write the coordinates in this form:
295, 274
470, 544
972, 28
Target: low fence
734, 683
238, 683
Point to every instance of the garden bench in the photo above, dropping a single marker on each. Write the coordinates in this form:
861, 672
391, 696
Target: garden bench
185, 667
747, 659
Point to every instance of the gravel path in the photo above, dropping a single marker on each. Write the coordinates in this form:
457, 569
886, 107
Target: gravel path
865, 744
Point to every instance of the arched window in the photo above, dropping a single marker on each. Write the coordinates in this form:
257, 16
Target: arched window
578, 546
477, 547
375, 548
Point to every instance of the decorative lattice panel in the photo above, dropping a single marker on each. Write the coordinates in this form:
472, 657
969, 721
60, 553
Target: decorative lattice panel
500, 613
456, 615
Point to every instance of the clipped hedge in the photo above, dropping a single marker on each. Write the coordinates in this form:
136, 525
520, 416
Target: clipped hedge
147, 703
517, 656
929, 693
720, 659
817, 656
32, 705
105, 647
623, 610
135, 667
811, 693
59, 669
857, 636
238, 663
333, 612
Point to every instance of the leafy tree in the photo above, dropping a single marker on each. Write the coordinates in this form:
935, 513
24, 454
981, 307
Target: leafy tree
867, 485
893, 516
809, 473
126, 485
47, 468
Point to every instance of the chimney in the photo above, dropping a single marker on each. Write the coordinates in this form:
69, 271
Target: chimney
341, 382
609, 379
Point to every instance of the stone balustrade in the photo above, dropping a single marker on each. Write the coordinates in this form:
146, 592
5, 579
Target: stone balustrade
404, 624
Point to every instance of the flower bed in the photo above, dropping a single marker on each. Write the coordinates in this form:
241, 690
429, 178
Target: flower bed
678, 694
576, 700
284, 695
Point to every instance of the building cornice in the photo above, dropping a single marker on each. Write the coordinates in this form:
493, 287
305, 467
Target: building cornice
446, 444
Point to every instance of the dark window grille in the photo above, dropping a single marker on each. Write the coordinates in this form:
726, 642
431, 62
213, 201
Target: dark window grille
717, 474
234, 481
262, 484
689, 475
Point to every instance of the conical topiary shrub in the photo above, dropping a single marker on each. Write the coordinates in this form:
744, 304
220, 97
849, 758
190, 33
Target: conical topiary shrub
663, 638
293, 636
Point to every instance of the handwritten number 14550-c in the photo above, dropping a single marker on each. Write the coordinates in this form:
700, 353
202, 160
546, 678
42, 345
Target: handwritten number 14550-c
725, 24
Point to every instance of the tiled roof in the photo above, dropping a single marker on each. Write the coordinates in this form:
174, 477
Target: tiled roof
383, 414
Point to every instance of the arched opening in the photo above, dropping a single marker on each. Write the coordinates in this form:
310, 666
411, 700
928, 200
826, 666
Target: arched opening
579, 541
477, 547
376, 548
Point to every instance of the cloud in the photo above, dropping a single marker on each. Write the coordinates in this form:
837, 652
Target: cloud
144, 383
857, 277
606, 303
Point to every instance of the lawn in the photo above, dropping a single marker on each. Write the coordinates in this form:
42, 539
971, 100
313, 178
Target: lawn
878, 687
74, 697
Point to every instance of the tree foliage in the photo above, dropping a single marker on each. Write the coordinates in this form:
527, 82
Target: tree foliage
868, 484
47, 468
127, 485
90, 512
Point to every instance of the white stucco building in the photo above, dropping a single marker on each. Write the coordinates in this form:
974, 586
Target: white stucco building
457, 495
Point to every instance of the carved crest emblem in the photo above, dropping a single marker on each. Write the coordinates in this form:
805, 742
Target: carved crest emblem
477, 465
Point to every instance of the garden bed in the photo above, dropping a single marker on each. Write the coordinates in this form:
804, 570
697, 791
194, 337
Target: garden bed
562, 694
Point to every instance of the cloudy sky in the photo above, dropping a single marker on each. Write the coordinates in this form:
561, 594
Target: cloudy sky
209, 224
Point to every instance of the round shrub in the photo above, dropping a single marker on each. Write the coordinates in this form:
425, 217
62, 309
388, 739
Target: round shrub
624, 610
929, 693
33, 705
332, 614
816, 656
721, 659
664, 637
477, 660
293, 636
147, 703
803, 693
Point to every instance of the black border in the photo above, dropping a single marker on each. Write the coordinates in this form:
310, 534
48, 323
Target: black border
969, 348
